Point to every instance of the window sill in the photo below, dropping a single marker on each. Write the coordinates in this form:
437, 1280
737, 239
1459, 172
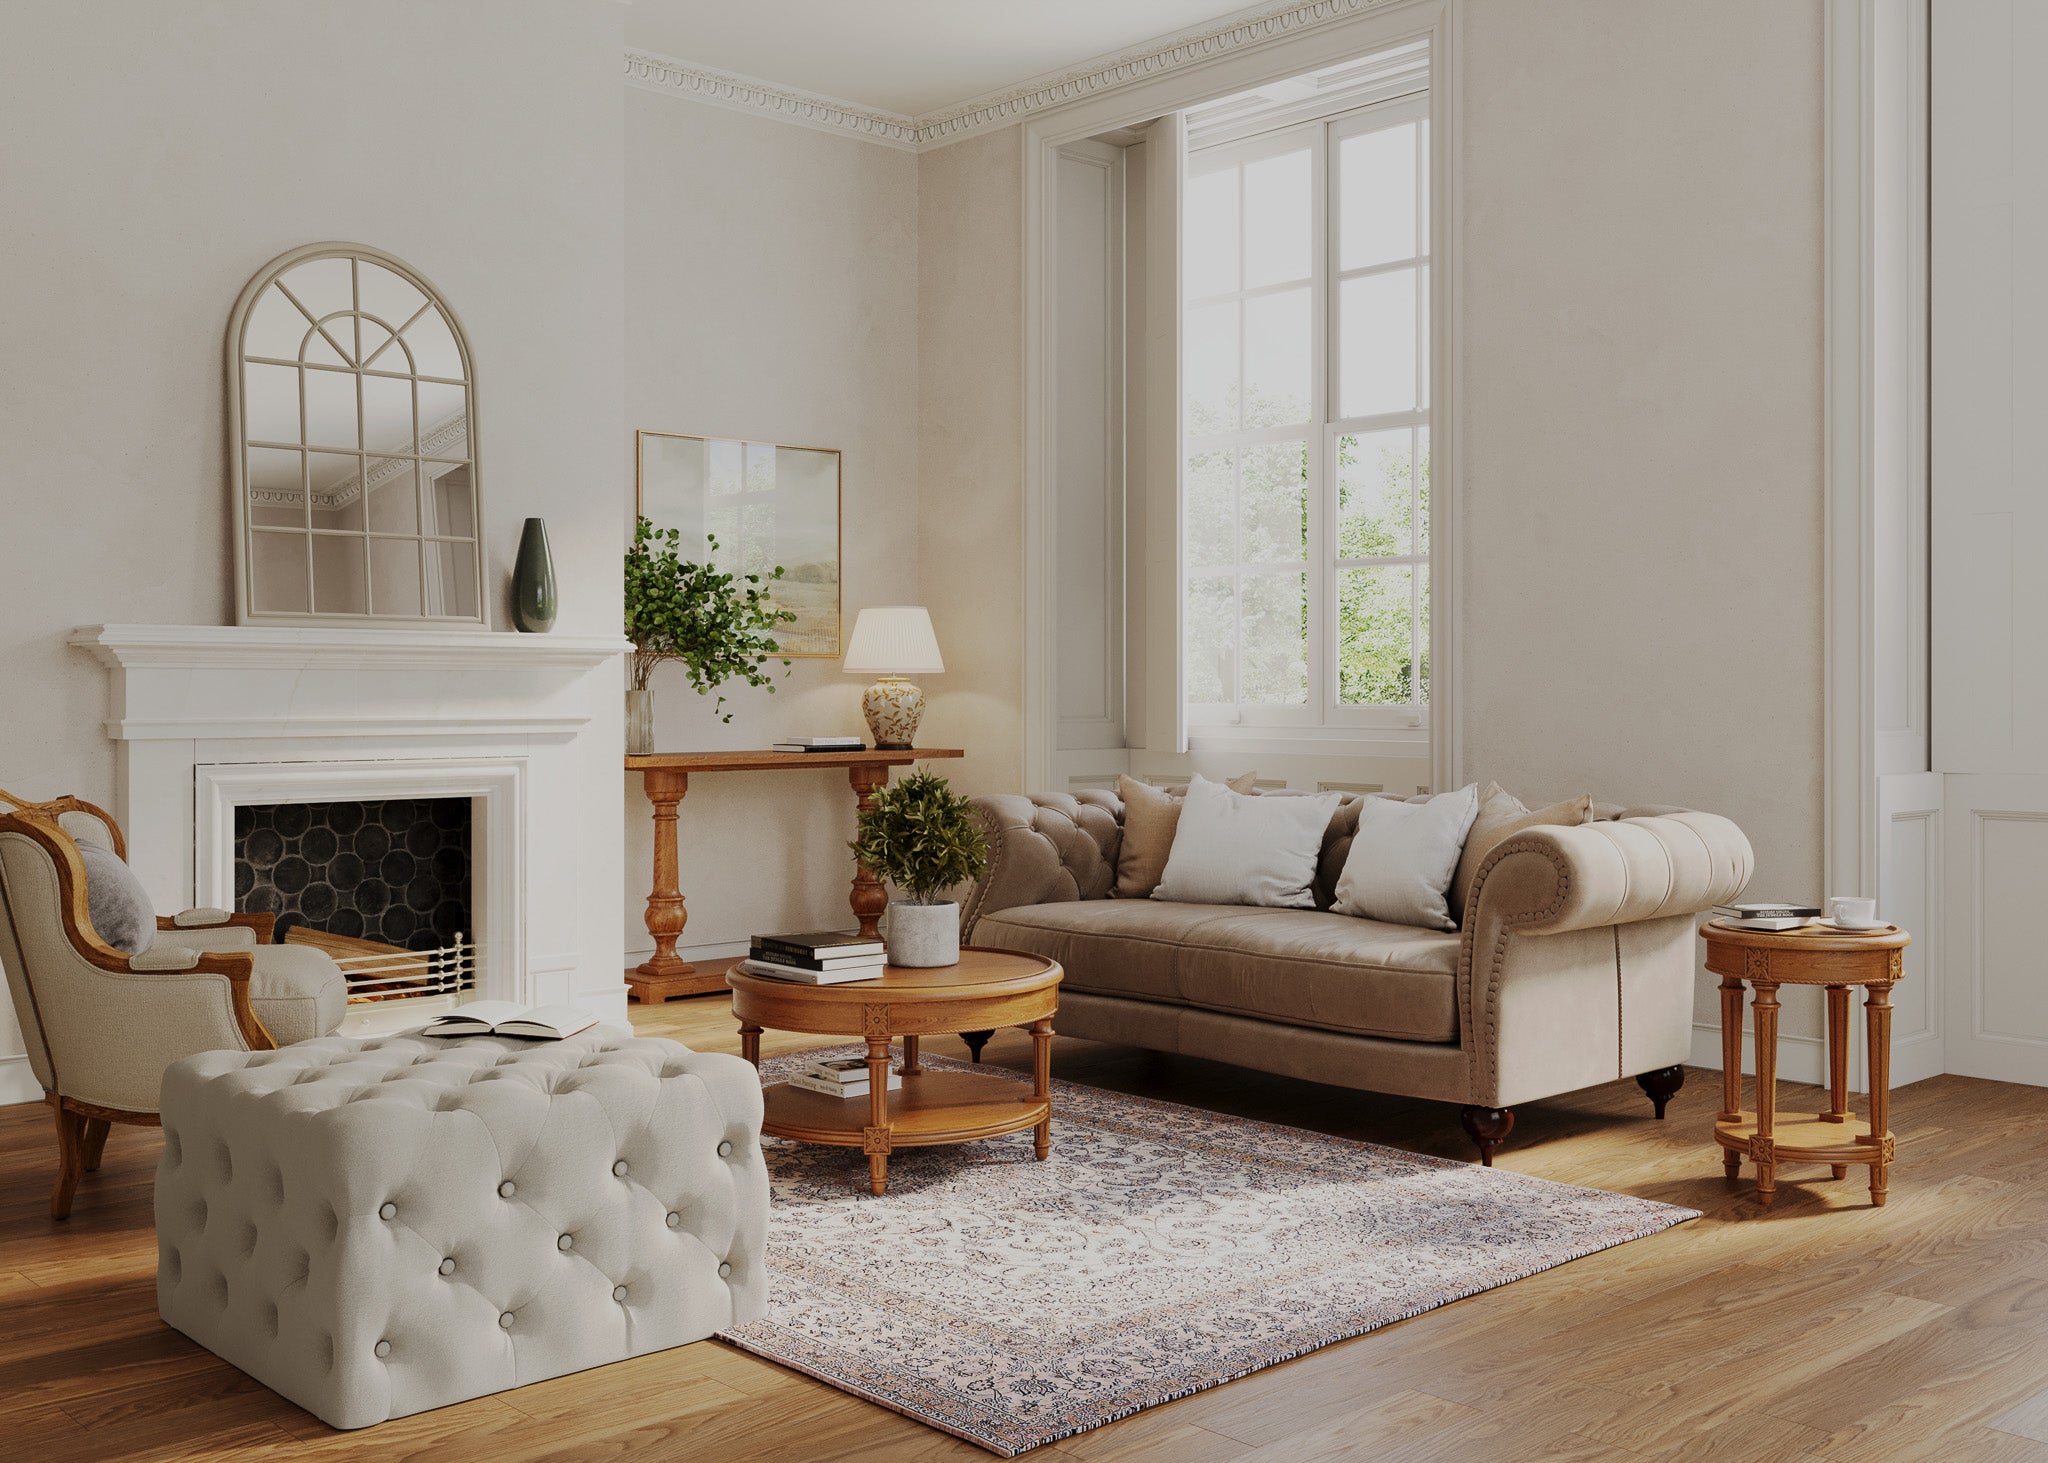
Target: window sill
1320, 741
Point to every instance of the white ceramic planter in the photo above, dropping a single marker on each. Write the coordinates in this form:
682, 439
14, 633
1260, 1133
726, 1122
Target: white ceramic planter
923, 935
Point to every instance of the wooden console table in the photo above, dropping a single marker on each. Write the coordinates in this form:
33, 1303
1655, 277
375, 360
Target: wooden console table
666, 776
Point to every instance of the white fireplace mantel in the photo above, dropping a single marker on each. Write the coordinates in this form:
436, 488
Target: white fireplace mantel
206, 717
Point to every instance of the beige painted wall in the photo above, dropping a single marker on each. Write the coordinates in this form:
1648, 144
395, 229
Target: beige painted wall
1643, 417
155, 158
771, 293
1642, 489
970, 412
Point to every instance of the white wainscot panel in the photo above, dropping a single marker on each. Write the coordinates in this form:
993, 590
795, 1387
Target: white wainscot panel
1997, 961
1910, 862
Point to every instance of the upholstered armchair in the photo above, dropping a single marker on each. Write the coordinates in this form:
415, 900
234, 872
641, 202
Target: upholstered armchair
100, 1025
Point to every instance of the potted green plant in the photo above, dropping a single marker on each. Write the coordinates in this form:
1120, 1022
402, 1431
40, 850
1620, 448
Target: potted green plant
924, 839
721, 627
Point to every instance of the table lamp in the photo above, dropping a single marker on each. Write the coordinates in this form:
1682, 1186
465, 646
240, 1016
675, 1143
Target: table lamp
893, 642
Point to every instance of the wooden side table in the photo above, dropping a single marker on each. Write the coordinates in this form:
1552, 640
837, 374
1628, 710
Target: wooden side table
1815, 955
666, 776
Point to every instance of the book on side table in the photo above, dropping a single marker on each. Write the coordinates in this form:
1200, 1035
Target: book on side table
509, 1018
1766, 915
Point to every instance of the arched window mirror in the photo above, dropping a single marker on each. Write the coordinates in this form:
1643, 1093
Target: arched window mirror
352, 428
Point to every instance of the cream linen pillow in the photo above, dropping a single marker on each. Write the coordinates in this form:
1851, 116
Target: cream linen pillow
1501, 817
1233, 848
1403, 857
1150, 816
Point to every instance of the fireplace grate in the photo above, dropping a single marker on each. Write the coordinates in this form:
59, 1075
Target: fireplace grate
379, 972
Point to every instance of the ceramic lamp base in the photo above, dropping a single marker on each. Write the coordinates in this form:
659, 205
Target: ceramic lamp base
893, 707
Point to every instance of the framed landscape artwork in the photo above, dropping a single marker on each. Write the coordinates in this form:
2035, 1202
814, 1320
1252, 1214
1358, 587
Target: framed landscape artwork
766, 504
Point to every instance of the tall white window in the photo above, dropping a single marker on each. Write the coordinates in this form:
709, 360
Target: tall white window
1305, 390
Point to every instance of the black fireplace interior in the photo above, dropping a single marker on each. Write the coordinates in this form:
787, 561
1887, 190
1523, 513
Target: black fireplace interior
397, 871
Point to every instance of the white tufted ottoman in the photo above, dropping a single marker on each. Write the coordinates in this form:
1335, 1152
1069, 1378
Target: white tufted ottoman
374, 1228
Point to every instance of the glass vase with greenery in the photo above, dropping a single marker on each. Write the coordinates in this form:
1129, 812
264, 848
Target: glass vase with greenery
720, 627
922, 837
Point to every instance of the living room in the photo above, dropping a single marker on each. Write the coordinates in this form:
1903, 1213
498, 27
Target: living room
1381, 586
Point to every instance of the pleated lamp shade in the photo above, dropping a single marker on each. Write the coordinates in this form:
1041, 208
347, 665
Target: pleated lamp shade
893, 640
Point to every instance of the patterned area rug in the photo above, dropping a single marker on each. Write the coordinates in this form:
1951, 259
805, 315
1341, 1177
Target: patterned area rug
1161, 1250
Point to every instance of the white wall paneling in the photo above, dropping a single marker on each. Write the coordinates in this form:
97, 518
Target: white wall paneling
1911, 862
1996, 997
1086, 353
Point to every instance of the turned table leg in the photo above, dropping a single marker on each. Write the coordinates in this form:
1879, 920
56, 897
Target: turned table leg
869, 898
1877, 1016
1763, 1146
665, 913
1731, 1065
876, 1139
1838, 1064
750, 1042
1041, 1082
910, 1067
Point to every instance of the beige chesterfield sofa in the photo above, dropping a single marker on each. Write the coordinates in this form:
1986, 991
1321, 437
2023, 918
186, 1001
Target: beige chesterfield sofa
1574, 965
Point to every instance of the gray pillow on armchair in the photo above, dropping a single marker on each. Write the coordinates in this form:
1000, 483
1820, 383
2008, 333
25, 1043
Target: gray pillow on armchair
116, 902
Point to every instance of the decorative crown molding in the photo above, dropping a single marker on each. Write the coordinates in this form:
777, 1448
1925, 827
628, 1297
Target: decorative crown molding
750, 94
1147, 61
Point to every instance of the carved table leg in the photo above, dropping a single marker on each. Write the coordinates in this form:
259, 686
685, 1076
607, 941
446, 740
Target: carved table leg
1838, 1064
1488, 1127
976, 1040
869, 898
750, 1042
1041, 1081
666, 915
1731, 1066
1763, 1146
1877, 1015
910, 1067
876, 1139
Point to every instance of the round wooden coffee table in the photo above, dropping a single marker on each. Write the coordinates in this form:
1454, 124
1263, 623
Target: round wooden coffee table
987, 989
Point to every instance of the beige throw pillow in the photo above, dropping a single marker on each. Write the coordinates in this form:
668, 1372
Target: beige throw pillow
1501, 817
1150, 816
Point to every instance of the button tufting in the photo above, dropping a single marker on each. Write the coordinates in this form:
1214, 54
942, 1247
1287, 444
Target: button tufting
725, 1150
619, 1169
618, 1292
724, 1269
387, 1211
563, 1242
448, 1267
505, 1190
383, 1348
505, 1321
675, 1221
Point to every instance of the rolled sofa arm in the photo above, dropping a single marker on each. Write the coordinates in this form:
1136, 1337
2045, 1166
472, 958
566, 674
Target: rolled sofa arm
1546, 880
1044, 849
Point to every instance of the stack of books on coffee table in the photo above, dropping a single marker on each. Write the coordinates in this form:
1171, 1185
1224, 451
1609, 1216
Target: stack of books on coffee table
840, 1077
816, 957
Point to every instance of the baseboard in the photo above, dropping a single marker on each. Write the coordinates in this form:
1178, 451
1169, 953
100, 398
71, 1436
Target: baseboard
716, 950
17, 1081
1800, 1058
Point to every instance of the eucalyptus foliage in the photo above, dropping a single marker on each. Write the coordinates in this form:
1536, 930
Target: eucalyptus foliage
921, 837
721, 627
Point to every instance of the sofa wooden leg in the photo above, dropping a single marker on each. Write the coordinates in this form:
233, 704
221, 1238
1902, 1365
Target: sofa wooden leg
70, 1158
94, 1143
1489, 1128
976, 1040
1661, 1085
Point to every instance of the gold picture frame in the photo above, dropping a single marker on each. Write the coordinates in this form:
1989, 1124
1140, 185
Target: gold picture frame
764, 502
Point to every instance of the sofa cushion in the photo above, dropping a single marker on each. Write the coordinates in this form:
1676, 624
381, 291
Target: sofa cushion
1238, 848
1150, 816
1299, 966
116, 902
1403, 856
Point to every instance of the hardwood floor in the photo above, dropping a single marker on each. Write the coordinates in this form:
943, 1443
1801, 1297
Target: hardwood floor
1819, 1327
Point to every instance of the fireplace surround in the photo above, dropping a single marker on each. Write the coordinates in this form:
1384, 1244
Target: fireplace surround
528, 728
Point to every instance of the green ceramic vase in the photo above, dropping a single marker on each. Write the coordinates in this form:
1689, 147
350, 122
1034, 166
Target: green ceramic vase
533, 581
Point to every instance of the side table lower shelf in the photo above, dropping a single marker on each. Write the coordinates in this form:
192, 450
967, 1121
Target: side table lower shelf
1834, 1142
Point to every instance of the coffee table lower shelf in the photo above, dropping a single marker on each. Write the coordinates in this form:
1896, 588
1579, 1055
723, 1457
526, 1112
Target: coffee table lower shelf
1837, 1142
930, 1108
